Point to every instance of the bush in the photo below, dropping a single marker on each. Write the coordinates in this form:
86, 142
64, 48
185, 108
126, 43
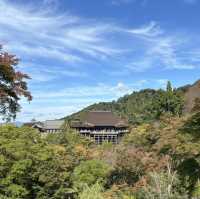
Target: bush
93, 192
90, 172
30, 167
163, 186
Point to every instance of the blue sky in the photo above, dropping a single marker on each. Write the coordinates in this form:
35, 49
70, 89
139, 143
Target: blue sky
82, 52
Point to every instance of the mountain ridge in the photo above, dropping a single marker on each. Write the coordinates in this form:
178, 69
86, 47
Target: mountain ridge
135, 106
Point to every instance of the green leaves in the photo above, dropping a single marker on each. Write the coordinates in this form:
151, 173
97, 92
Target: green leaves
64, 165
169, 101
192, 125
30, 166
89, 173
14, 191
92, 192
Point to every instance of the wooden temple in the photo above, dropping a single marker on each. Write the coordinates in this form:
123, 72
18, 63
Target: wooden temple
102, 126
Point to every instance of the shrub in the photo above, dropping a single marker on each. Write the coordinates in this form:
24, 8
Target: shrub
93, 192
90, 172
163, 186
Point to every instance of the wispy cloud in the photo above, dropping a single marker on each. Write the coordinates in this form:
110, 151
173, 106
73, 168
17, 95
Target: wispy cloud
56, 45
45, 73
72, 99
45, 34
42, 33
163, 50
150, 30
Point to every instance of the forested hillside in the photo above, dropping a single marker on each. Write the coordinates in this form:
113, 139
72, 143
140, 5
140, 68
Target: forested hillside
147, 105
130, 106
158, 159
191, 95
154, 161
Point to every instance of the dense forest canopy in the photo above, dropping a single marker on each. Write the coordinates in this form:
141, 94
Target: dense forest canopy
155, 160
158, 159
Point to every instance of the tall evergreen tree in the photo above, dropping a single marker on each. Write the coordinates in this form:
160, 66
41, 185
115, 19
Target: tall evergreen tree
169, 87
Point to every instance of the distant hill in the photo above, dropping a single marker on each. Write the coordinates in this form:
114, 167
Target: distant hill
191, 93
136, 106
132, 107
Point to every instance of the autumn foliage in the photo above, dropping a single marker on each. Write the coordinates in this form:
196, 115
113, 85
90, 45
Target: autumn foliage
13, 85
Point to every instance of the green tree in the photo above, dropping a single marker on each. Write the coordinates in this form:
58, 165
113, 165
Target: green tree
31, 168
169, 101
169, 87
90, 172
192, 125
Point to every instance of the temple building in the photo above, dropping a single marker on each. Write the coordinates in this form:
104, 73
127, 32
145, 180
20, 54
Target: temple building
53, 126
102, 126
49, 126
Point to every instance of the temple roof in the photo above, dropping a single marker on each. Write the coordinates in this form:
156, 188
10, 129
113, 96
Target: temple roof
48, 124
53, 124
100, 118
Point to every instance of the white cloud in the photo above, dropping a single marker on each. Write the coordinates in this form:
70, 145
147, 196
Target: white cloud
140, 65
48, 112
43, 33
162, 82
52, 104
162, 50
150, 30
99, 90
56, 104
63, 44
44, 73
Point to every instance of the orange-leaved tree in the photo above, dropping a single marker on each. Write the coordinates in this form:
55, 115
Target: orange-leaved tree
13, 85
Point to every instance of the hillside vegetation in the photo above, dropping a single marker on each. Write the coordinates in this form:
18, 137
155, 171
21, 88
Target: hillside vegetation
158, 159
142, 106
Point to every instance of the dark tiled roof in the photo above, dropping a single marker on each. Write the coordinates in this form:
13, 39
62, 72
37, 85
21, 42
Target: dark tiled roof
53, 124
100, 118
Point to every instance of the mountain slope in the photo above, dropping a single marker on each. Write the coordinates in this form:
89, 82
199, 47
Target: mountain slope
137, 107
133, 107
191, 94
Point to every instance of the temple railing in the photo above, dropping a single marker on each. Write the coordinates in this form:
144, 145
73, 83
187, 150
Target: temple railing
103, 131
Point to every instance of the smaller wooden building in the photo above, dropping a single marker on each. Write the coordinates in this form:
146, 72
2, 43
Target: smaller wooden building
53, 126
102, 126
49, 126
